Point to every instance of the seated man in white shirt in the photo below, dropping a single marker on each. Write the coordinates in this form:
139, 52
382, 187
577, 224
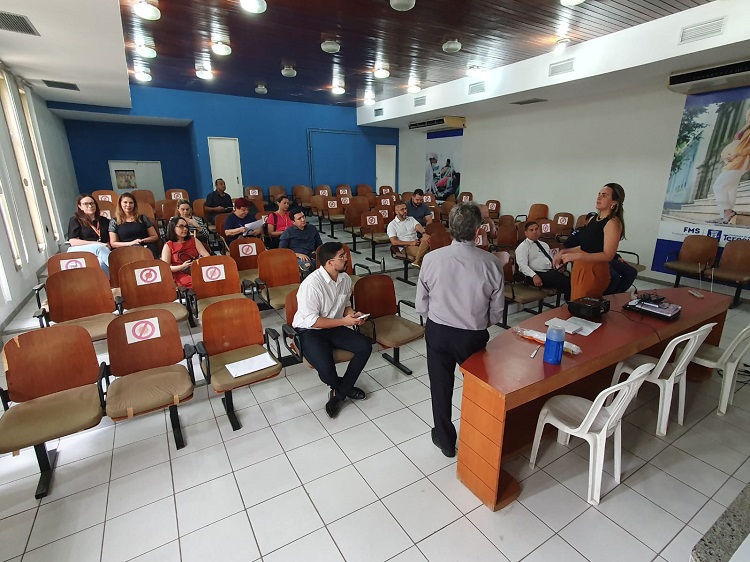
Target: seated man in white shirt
534, 260
403, 230
324, 320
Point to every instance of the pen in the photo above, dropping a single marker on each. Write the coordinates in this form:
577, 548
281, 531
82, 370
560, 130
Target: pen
533, 353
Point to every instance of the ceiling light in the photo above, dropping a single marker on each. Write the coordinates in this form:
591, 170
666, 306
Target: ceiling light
413, 89
261, 89
204, 73
146, 11
381, 73
561, 44
571, 3
145, 51
142, 75
452, 46
338, 89
288, 71
330, 46
473, 70
220, 48
403, 5
254, 6
369, 100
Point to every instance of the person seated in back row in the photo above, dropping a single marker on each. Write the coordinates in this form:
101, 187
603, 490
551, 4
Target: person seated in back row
403, 230
534, 260
302, 238
417, 208
238, 223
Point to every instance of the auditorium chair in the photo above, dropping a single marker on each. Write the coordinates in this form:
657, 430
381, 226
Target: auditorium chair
350, 267
344, 190
373, 229
536, 211
148, 284
317, 204
562, 224
176, 195
121, 256
245, 252
519, 293
215, 279
198, 206
353, 221
106, 195
253, 192
364, 189
64, 261
107, 209
506, 220
144, 196
333, 210
302, 196
733, 268
445, 210
493, 206
324, 190
465, 197
276, 192
696, 254
278, 275
406, 196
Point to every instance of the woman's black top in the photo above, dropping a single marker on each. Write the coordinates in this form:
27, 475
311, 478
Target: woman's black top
76, 230
591, 237
129, 231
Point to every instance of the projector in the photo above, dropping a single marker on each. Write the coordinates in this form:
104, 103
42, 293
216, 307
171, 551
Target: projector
588, 308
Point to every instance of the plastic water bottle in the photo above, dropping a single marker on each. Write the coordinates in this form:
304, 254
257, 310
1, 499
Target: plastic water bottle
553, 345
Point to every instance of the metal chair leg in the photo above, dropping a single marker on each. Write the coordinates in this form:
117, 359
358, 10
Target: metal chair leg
47, 461
395, 361
229, 409
174, 417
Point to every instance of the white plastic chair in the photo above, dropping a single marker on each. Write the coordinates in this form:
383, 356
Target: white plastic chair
666, 374
728, 361
592, 421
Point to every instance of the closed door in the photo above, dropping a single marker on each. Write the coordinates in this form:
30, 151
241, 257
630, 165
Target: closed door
385, 165
224, 154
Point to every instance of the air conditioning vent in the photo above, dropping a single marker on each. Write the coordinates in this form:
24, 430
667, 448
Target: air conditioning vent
378, 112
528, 101
734, 75
438, 124
476, 88
61, 85
702, 31
562, 67
420, 101
16, 24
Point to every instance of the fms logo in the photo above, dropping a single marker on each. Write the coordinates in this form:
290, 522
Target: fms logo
691, 230
713, 233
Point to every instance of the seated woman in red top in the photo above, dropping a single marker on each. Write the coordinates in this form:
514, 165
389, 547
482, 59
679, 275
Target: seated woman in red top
181, 250
279, 221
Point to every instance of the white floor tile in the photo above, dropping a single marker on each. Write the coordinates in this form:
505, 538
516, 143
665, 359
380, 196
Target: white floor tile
252, 448
743, 472
154, 525
137, 456
315, 398
642, 443
410, 392
18, 496
555, 549
572, 470
197, 410
388, 375
690, 470
68, 515
272, 389
315, 547
362, 441
266, 479
424, 411
447, 482
367, 383
299, 431
710, 451
460, 542
80, 475
197, 436
550, 450
137, 429
199, 467
242, 398
251, 419
14, 532
169, 552
401, 425
207, 503
680, 548
388, 471
707, 516
518, 467
228, 540
86, 444
138, 489
411, 555
369, 535
728, 434
423, 453
349, 416
379, 403
317, 459
340, 493
550, 501
20, 466
667, 492
421, 509
273, 525
84, 546
727, 493
305, 380
514, 530
598, 538
283, 409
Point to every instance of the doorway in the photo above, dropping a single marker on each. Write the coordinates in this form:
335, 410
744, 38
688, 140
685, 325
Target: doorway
224, 155
385, 165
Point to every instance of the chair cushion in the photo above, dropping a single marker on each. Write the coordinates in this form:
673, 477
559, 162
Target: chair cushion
336, 218
394, 331
222, 380
525, 294
248, 275
684, 267
95, 325
177, 309
729, 275
49, 417
148, 390
277, 295
378, 237
203, 303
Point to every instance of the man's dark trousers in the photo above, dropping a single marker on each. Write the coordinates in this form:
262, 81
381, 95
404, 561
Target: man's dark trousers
318, 346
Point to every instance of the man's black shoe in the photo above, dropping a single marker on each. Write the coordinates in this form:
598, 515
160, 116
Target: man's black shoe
334, 404
356, 394
450, 453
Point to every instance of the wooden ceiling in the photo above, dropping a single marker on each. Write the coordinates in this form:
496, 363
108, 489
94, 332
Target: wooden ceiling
493, 33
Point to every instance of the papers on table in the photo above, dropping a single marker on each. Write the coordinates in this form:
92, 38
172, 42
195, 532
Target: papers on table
250, 365
574, 325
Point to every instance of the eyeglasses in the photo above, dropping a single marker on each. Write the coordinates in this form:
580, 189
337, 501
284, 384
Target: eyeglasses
92, 204
340, 257
180, 226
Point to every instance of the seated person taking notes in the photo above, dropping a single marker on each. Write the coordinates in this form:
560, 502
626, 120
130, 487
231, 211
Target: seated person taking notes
242, 221
403, 230
534, 260
302, 239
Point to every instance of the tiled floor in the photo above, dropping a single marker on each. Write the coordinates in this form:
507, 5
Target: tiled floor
293, 485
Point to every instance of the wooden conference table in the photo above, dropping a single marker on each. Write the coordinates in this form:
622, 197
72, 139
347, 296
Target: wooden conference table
504, 388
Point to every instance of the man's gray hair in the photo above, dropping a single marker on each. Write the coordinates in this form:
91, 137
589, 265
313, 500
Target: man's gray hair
464, 220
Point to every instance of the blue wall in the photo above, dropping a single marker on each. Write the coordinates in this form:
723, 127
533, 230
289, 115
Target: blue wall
93, 144
274, 137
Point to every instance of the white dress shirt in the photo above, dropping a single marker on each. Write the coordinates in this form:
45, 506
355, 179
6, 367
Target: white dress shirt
404, 230
531, 259
320, 296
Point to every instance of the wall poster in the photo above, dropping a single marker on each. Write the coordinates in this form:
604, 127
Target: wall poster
443, 163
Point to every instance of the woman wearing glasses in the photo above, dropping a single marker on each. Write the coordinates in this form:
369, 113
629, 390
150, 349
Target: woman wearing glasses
181, 250
88, 231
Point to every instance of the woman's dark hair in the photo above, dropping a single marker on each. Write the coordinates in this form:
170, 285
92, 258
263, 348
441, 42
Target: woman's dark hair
618, 196
120, 214
171, 234
80, 215
280, 199
180, 203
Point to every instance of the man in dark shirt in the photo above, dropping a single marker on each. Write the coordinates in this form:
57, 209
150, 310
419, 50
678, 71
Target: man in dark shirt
416, 208
302, 239
218, 201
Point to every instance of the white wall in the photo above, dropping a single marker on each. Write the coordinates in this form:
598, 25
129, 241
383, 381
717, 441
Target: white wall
562, 153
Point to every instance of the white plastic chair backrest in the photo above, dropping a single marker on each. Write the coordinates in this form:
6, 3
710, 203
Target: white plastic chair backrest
624, 392
741, 343
694, 340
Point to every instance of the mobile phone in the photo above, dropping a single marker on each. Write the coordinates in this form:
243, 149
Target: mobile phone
363, 316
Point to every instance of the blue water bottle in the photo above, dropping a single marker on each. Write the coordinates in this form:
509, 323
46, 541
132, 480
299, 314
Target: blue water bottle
553, 345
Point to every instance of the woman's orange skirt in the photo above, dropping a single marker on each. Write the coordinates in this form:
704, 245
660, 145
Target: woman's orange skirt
589, 279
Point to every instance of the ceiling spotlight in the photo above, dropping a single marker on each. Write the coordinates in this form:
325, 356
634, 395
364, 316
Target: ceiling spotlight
381, 73
473, 70
220, 48
452, 46
142, 75
571, 3
338, 89
261, 89
254, 6
204, 73
145, 51
288, 71
561, 45
330, 46
403, 5
146, 11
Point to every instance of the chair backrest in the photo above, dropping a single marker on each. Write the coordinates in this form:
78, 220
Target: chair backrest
465, 196
375, 295
407, 195
428, 198
278, 267
324, 190
386, 212
693, 341
434, 227
446, 209
736, 256
253, 192
71, 260
77, 293
738, 347
245, 252
159, 208
343, 186
699, 249
505, 220
345, 199
107, 195
385, 201
214, 276
231, 324
563, 222
482, 240
146, 282
349, 265
170, 208
333, 206
219, 223
506, 235
547, 229
385, 190
440, 239
581, 221
259, 203
290, 306
145, 339
493, 206
198, 206
43, 362
372, 222
317, 203
107, 209
538, 211
276, 191
364, 189
353, 215
147, 209
144, 196
344, 190
121, 256
302, 194
177, 194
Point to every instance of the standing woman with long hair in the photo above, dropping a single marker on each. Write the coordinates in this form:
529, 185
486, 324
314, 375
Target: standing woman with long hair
88, 231
181, 250
598, 245
128, 228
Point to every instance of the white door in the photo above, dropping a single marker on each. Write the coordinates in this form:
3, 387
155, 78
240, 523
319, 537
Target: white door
224, 154
385, 165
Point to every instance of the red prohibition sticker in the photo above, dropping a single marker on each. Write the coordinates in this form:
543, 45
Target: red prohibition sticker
384, 212
492, 206
332, 204
545, 227
142, 330
177, 196
248, 250
147, 276
562, 220
372, 220
485, 227
72, 264
213, 273
253, 193
105, 198
344, 200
